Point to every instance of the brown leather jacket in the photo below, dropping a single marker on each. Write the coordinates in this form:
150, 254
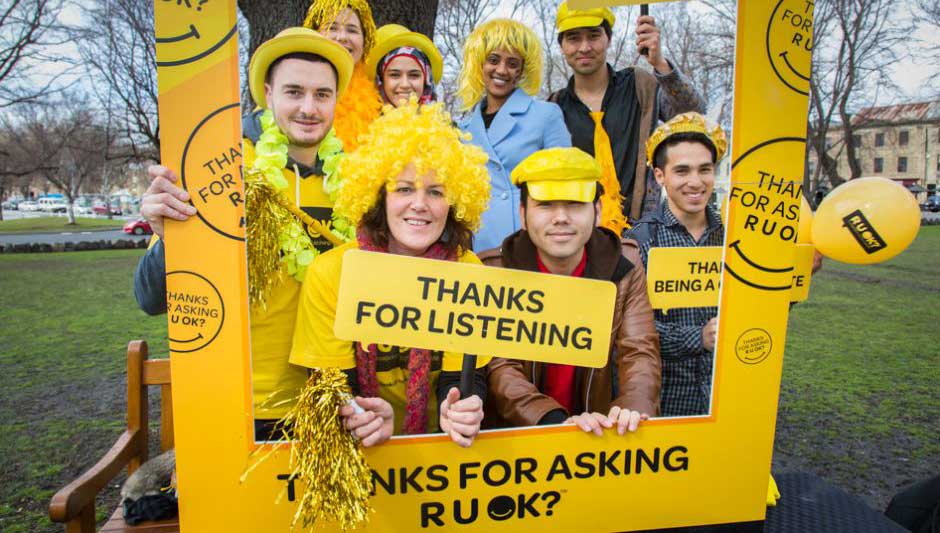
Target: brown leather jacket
515, 400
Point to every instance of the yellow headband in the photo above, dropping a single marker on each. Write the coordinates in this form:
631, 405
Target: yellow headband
498, 34
687, 123
322, 13
425, 137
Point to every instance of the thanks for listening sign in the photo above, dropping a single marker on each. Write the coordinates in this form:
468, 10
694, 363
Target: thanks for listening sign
461, 307
691, 277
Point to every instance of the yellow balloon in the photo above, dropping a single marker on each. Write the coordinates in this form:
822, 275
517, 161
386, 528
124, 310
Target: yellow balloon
804, 231
866, 220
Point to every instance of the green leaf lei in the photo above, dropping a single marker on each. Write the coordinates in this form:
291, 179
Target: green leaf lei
297, 252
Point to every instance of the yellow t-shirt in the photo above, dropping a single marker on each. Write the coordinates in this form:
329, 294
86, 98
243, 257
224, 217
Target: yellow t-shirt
275, 382
315, 345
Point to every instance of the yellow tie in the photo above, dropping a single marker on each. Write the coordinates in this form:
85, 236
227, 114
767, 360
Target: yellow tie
612, 202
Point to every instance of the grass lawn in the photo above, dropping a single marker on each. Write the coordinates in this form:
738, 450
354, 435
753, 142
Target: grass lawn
858, 405
56, 224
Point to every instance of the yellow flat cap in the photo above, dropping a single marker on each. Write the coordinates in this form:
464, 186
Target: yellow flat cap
569, 19
559, 174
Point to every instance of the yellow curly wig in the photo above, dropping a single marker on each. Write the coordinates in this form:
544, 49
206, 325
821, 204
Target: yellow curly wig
426, 137
322, 13
498, 34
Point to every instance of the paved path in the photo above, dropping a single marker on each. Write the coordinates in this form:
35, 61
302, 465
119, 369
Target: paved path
76, 236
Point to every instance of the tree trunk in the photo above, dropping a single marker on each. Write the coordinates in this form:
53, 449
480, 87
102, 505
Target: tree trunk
417, 16
265, 22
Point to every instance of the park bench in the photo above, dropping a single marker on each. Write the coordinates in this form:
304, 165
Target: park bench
74, 504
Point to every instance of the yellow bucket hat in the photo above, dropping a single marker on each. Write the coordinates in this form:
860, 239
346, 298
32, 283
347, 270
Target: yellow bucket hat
392, 36
690, 122
294, 40
567, 174
569, 19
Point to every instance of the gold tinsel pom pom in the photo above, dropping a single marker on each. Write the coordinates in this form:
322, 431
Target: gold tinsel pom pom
265, 219
325, 457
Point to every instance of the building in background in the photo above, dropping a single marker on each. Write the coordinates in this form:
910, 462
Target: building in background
900, 142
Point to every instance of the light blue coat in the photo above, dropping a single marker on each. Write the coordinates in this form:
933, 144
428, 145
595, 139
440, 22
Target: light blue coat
522, 126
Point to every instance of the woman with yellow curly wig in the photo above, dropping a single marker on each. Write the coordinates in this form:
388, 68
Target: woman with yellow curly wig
350, 23
502, 71
412, 188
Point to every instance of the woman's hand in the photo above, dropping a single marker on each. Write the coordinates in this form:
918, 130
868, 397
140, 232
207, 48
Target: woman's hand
374, 425
590, 422
461, 418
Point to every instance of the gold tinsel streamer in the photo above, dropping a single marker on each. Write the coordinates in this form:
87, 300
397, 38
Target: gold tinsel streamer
325, 457
267, 212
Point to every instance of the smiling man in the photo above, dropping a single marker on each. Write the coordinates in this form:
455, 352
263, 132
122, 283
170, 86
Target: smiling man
683, 153
295, 78
560, 211
611, 113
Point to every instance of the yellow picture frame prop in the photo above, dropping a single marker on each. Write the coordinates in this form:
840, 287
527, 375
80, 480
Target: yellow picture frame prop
672, 472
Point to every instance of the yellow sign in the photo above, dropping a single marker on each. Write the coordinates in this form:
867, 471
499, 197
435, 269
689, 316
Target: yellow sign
588, 4
691, 277
459, 307
550, 478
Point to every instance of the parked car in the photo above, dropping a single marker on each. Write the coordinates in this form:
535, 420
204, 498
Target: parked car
138, 227
52, 205
10, 205
28, 205
82, 210
102, 210
933, 204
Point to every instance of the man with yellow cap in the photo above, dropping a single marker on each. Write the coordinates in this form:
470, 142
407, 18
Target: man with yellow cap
560, 212
610, 114
683, 153
296, 78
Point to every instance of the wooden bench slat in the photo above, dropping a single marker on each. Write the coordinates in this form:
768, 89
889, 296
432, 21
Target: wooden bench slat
156, 372
116, 524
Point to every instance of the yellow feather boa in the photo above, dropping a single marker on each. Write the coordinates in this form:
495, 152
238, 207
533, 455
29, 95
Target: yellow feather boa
356, 110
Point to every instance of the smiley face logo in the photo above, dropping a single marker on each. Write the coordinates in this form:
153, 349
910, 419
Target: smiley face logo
195, 311
790, 43
501, 508
188, 30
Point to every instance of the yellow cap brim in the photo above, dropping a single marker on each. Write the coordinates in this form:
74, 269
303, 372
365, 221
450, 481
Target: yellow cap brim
571, 23
412, 39
271, 50
562, 190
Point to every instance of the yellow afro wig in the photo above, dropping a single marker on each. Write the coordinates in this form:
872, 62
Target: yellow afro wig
425, 137
498, 34
322, 13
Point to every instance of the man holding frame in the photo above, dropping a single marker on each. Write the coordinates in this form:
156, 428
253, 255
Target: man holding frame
296, 78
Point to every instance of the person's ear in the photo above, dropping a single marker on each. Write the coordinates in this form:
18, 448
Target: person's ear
659, 175
522, 215
598, 209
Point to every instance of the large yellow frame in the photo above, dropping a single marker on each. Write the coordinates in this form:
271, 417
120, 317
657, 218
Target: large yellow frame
703, 470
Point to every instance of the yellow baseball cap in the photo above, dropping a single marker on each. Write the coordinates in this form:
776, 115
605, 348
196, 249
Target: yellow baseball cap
294, 40
392, 36
569, 19
566, 174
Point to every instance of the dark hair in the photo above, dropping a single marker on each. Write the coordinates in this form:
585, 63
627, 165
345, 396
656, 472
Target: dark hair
604, 25
659, 156
375, 225
306, 56
524, 193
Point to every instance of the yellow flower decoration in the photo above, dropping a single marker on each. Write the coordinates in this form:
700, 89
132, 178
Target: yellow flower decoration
425, 137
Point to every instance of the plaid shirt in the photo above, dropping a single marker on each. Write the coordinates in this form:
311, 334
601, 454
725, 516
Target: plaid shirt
687, 365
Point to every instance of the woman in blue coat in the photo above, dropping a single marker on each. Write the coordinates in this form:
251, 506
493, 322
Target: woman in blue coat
502, 69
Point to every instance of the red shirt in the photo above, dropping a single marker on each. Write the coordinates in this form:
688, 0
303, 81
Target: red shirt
558, 380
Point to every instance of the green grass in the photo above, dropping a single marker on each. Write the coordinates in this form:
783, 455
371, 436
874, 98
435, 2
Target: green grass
57, 224
64, 324
861, 370
858, 403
